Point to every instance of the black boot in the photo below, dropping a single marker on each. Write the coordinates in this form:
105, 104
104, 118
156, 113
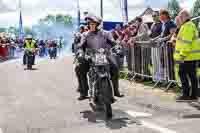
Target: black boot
81, 98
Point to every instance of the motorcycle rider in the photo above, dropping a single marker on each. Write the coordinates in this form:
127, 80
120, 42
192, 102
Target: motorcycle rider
95, 39
30, 43
77, 38
42, 48
52, 53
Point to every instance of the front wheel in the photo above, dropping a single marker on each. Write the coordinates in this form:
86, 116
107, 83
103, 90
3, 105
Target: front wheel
29, 62
29, 67
107, 97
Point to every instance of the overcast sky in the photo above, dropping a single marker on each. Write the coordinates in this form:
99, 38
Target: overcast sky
35, 9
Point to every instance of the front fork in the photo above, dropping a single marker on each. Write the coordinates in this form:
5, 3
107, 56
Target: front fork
92, 83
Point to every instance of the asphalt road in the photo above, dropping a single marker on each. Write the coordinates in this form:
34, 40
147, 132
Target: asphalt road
45, 101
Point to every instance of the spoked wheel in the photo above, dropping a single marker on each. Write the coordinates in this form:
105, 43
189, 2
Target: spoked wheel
106, 90
29, 62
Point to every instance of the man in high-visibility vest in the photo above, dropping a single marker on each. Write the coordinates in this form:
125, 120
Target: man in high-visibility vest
187, 53
29, 44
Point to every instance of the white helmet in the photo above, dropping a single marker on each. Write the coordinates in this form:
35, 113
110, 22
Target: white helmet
95, 19
29, 37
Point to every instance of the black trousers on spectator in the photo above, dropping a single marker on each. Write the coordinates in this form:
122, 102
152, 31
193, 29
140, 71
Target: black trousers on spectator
171, 63
187, 72
81, 73
146, 61
137, 59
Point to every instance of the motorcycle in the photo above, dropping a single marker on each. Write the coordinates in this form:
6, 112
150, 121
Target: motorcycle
41, 51
30, 53
101, 92
52, 52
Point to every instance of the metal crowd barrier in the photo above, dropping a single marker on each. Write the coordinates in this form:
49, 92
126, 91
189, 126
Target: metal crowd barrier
141, 60
153, 61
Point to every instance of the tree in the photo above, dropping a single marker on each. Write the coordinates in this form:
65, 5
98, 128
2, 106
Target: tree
174, 8
59, 19
2, 30
68, 20
13, 30
56, 19
196, 11
28, 31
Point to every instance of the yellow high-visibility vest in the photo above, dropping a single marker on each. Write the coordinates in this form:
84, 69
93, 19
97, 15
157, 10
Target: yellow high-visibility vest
30, 45
187, 43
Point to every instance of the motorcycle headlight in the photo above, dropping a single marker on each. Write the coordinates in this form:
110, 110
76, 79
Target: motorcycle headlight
101, 50
101, 59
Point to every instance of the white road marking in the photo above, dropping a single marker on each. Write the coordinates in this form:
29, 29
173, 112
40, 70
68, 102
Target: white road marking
138, 114
156, 127
149, 124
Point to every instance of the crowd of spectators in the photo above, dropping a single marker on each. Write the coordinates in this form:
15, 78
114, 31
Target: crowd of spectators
137, 55
12, 47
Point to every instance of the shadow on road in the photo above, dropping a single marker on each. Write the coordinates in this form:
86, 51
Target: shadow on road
195, 105
116, 123
33, 69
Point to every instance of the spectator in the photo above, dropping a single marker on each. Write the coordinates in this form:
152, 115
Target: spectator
187, 53
142, 55
126, 35
77, 38
168, 25
12, 48
174, 37
166, 53
156, 28
4, 48
42, 52
117, 33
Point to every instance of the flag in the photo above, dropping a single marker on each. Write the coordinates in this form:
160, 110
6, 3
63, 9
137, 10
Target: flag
126, 10
124, 7
78, 14
21, 30
101, 8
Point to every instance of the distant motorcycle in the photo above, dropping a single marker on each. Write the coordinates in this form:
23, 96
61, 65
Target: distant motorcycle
52, 52
30, 53
41, 51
